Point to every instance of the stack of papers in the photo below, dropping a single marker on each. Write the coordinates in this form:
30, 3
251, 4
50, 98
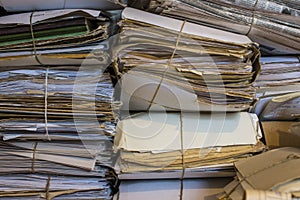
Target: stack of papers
57, 113
278, 89
56, 157
274, 24
75, 170
175, 142
201, 68
278, 71
62, 102
54, 37
38, 186
271, 175
17, 6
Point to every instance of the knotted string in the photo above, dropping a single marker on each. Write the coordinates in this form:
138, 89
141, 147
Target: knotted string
168, 65
253, 17
46, 78
33, 157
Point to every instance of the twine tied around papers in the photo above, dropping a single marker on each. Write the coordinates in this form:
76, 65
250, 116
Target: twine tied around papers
65, 2
33, 157
33, 41
181, 129
46, 104
47, 189
182, 158
288, 158
46, 78
253, 17
168, 65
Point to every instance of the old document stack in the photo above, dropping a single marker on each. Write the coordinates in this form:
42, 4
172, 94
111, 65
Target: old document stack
57, 118
274, 24
189, 81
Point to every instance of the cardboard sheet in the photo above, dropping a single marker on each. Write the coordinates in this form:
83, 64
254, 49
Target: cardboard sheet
281, 133
162, 132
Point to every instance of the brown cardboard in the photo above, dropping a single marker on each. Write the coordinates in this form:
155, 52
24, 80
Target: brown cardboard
271, 175
281, 134
269, 169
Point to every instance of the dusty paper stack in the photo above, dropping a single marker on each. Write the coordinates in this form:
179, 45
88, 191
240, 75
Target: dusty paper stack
278, 98
41, 186
54, 37
81, 137
55, 103
201, 68
16, 6
272, 175
57, 113
278, 71
278, 87
157, 145
71, 169
75, 158
166, 64
274, 24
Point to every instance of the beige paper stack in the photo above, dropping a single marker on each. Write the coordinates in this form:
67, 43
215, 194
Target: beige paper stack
274, 24
187, 144
200, 68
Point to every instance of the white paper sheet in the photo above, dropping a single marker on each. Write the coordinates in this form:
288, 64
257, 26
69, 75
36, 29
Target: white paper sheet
160, 132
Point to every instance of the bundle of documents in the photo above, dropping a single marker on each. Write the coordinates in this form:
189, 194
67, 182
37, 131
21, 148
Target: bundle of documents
73, 170
54, 37
271, 175
29, 5
278, 72
56, 157
274, 24
54, 88
278, 89
60, 102
193, 142
39, 186
201, 68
